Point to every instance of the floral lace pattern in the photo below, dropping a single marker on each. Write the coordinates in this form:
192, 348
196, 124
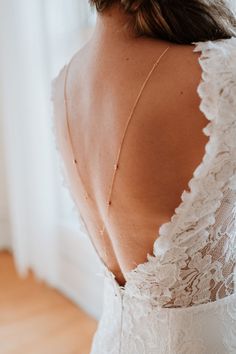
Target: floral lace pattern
195, 253
183, 299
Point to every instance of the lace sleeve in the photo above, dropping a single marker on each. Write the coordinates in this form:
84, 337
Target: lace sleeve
195, 253
227, 102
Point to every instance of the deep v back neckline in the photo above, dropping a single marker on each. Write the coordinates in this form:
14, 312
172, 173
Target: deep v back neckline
179, 211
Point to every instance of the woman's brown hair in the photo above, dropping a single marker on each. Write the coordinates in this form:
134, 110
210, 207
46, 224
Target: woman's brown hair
179, 21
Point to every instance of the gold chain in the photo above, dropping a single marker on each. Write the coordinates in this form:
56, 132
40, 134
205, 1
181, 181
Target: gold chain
116, 164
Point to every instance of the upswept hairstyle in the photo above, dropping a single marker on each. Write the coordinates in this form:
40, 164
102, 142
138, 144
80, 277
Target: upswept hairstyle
179, 21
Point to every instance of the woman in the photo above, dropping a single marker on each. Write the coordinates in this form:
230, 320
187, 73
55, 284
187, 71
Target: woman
131, 108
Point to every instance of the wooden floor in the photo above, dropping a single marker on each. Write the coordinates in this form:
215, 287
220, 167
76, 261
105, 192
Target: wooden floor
35, 319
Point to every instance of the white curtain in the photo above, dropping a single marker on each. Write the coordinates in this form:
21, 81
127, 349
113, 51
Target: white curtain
36, 38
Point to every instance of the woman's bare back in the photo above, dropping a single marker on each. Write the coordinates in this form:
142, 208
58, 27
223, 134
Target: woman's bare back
163, 144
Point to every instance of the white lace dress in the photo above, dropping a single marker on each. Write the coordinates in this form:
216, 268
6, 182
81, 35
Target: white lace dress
183, 299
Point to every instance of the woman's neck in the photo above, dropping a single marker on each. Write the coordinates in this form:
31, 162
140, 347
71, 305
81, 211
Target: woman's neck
112, 24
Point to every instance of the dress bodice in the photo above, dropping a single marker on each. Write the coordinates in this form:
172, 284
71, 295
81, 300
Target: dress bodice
183, 299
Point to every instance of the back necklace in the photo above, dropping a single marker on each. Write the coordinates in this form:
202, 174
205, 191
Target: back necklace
116, 162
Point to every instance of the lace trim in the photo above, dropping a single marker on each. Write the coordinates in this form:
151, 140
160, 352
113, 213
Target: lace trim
204, 177
217, 172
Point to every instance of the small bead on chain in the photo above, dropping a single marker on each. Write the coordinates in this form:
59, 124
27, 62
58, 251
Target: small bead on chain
86, 194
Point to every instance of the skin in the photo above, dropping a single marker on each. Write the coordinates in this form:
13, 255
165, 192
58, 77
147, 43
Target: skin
164, 142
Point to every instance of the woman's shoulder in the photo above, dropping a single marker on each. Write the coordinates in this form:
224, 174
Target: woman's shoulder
221, 51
